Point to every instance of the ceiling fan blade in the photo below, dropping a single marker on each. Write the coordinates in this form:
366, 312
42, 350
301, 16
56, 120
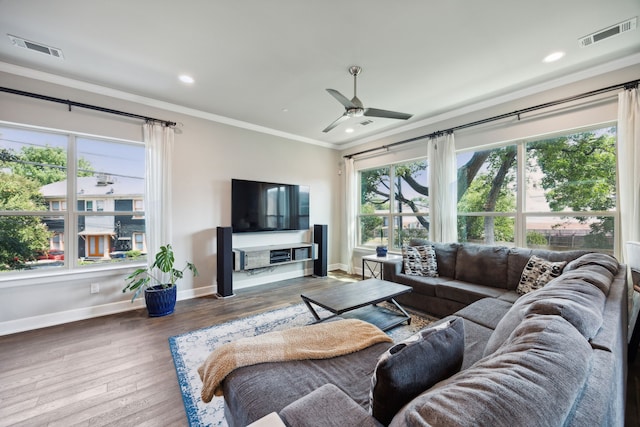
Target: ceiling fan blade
341, 98
340, 119
374, 112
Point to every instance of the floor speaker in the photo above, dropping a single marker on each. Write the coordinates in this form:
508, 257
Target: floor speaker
224, 275
320, 238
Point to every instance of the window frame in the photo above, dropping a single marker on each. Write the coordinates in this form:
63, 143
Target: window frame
520, 215
70, 218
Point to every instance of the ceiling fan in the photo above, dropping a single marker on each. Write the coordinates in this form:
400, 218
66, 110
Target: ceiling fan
354, 107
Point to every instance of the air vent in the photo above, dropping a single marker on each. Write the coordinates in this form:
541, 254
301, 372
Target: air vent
37, 47
366, 122
622, 27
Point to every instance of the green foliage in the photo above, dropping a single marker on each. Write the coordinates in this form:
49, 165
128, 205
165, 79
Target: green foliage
163, 264
21, 237
579, 171
134, 253
536, 239
44, 165
369, 224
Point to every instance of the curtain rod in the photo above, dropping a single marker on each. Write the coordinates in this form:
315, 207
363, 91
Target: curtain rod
628, 85
87, 106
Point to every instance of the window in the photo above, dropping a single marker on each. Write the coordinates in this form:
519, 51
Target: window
394, 204
42, 173
567, 193
487, 196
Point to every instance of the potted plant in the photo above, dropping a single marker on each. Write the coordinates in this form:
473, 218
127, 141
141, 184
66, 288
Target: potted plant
159, 294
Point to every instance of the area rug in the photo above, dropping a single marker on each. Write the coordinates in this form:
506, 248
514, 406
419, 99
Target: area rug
190, 350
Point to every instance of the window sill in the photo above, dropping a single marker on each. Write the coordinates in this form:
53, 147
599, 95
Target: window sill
39, 278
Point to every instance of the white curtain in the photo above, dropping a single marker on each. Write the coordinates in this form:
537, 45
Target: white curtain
351, 209
159, 147
629, 168
443, 189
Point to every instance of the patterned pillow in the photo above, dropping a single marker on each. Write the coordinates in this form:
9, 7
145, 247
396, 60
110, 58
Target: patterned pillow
537, 273
415, 365
420, 260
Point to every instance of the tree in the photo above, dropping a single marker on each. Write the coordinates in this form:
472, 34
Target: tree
44, 164
580, 174
22, 174
21, 237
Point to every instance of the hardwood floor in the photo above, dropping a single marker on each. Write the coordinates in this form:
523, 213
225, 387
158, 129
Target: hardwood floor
117, 370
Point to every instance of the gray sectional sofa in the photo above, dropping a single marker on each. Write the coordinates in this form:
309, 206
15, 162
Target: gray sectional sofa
555, 356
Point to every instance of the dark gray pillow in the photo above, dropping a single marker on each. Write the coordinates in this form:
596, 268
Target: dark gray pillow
415, 365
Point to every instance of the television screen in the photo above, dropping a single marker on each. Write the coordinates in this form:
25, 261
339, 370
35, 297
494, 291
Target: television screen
265, 206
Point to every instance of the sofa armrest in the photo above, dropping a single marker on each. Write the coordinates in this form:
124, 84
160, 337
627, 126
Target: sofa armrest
391, 268
326, 406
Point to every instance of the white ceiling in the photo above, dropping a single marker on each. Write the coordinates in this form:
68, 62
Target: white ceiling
268, 63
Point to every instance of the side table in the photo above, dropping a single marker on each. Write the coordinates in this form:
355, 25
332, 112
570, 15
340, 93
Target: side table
374, 265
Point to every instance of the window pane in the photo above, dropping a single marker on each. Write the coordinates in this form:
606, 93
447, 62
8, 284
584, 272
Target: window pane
411, 187
374, 231
568, 233
493, 230
30, 242
487, 180
110, 179
104, 239
32, 164
375, 191
410, 227
575, 172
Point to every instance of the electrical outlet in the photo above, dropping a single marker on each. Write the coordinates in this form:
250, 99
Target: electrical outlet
95, 288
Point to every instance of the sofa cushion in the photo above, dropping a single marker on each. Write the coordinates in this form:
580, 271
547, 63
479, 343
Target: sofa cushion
597, 275
576, 300
466, 293
533, 379
445, 255
482, 264
312, 409
604, 260
537, 273
419, 261
414, 365
486, 312
518, 258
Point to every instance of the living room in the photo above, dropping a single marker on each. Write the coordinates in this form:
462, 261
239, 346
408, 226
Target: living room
212, 149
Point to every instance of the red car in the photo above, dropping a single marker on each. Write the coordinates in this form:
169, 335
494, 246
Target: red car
56, 255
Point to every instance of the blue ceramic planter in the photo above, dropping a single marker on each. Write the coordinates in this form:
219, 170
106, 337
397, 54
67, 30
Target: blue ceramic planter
381, 250
160, 301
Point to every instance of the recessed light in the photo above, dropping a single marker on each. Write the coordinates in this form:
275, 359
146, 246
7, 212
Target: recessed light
552, 57
186, 79
349, 130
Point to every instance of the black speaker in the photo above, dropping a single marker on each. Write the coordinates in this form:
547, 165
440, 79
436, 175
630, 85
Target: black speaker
224, 275
320, 238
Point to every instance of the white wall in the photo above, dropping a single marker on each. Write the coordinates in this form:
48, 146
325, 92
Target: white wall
207, 156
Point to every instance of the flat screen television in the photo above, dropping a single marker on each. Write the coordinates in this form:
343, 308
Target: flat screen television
265, 206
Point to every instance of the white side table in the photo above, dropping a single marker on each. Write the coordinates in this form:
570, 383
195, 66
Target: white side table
374, 264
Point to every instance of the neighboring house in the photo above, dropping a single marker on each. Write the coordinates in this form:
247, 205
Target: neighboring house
99, 235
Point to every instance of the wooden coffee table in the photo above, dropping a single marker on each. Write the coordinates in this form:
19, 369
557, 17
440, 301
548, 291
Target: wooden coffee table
359, 300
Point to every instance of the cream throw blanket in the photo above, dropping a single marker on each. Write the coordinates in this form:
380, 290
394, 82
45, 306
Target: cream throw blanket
318, 341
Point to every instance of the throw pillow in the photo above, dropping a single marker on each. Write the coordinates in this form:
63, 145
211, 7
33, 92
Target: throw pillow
420, 260
537, 273
415, 365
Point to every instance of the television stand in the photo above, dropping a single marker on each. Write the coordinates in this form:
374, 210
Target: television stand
250, 258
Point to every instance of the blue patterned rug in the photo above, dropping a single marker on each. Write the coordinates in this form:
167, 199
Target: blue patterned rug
190, 350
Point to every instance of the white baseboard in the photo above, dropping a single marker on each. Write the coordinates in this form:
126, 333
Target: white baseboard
58, 318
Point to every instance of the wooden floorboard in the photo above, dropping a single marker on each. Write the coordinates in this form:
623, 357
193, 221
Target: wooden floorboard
117, 370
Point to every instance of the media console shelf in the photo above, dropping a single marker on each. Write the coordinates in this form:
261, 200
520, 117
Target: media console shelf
272, 255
